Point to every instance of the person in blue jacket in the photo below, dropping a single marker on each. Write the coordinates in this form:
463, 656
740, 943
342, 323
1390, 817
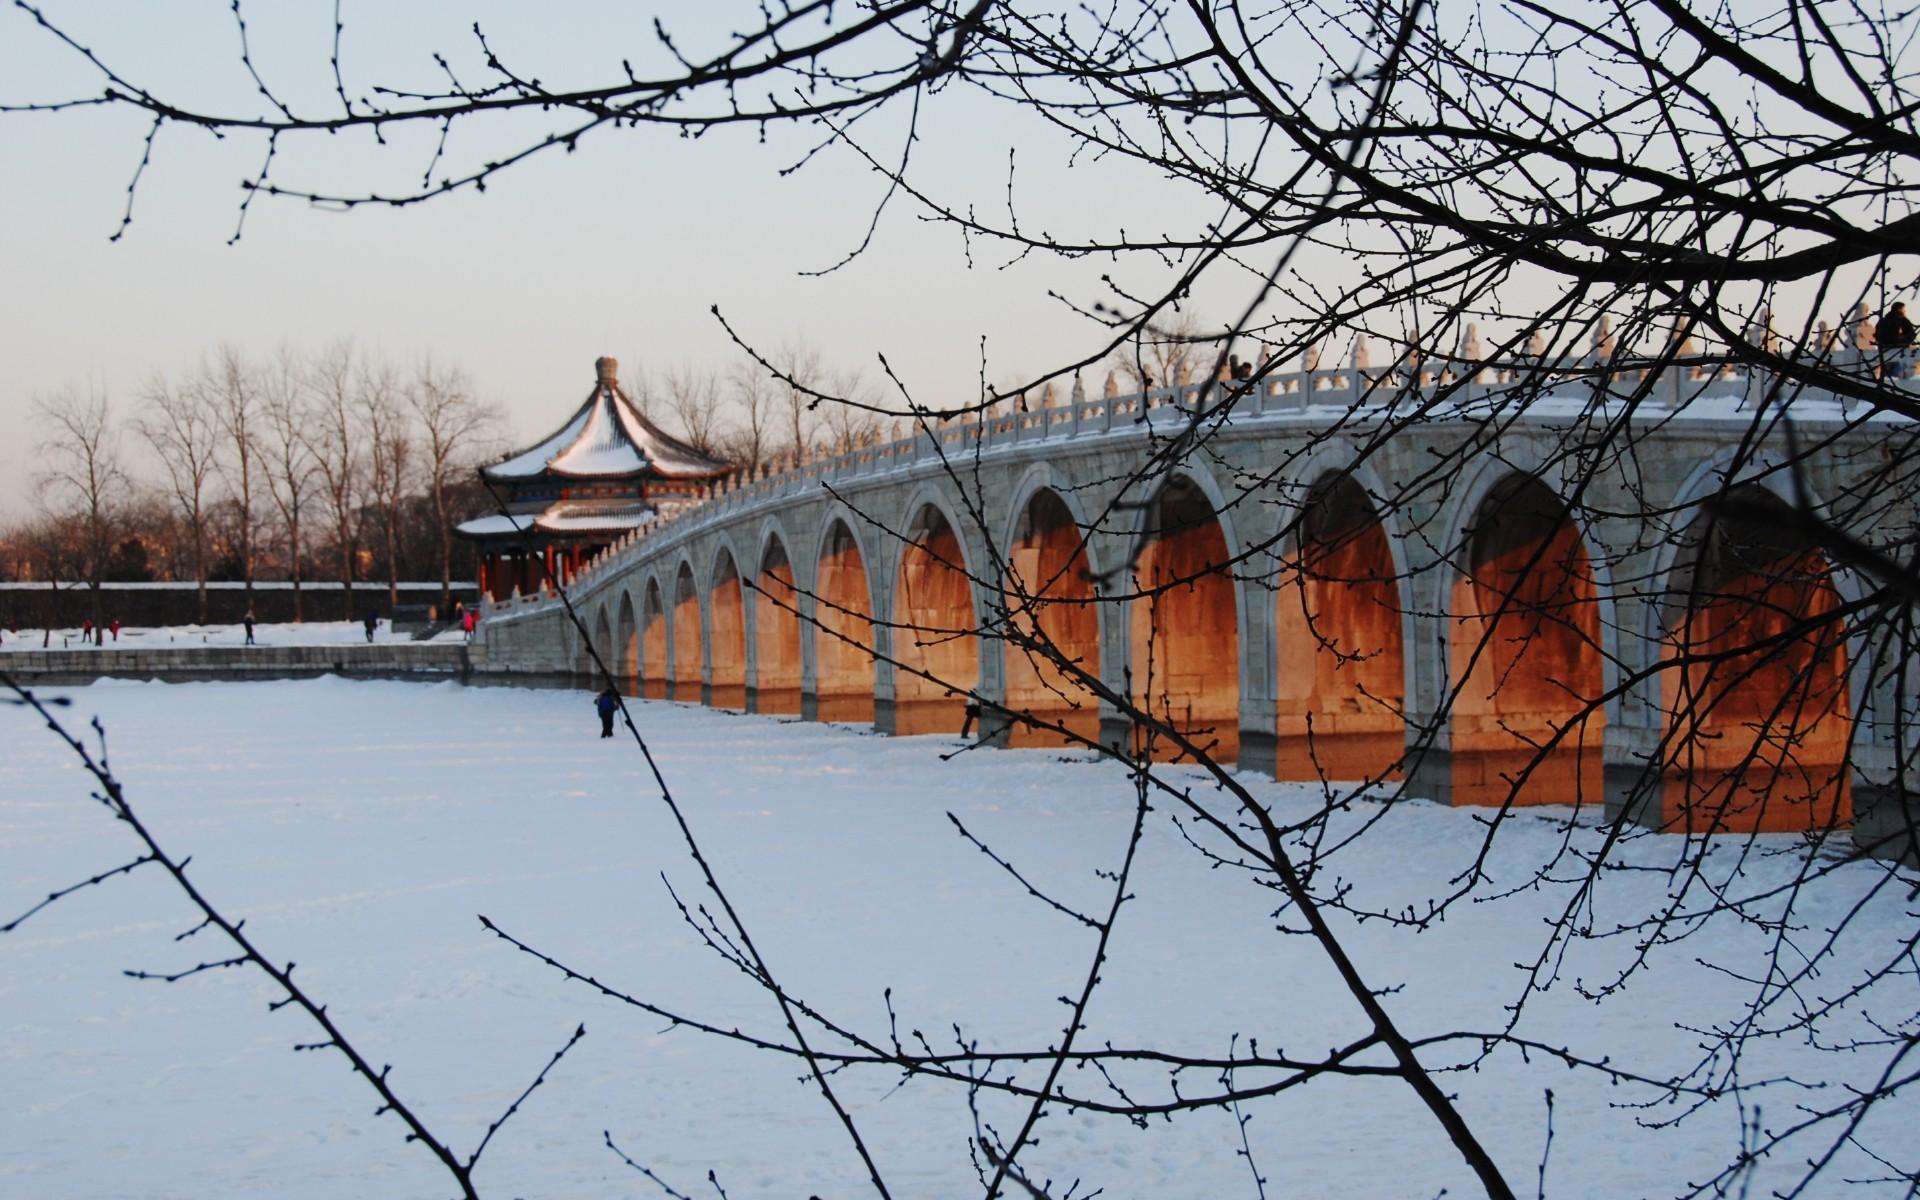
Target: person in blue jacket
606, 705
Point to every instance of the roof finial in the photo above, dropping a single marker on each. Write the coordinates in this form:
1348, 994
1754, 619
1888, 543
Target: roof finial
606, 370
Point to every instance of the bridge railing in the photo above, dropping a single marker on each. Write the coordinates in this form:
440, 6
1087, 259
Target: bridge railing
1708, 387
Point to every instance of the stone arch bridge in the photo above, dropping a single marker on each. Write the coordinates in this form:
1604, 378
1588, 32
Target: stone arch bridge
1495, 591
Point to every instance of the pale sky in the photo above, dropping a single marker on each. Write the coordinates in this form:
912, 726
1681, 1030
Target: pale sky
618, 249
621, 248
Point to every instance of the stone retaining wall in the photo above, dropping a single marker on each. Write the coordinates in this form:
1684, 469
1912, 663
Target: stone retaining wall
242, 662
36, 605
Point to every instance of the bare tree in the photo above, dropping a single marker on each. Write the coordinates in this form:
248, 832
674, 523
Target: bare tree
181, 426
454, 429
1165, 355
234, 390
692, 397
383, 414
287, 458
753, 395
850, 424
82, 474
338, 453
799, 373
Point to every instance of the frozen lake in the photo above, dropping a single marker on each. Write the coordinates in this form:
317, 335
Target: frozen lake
361, 828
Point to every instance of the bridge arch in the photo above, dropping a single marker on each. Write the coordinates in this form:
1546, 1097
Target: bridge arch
625, 664
1454, 522
776, 627
1341, 608
1527, 663
842, 627
1050, 601
1758, 714
1185, 622
726, 631
683, 626
600, 643
1721, 471
934, 616
653, 642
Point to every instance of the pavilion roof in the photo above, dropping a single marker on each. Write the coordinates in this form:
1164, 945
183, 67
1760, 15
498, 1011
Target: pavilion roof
607, 437
575, 517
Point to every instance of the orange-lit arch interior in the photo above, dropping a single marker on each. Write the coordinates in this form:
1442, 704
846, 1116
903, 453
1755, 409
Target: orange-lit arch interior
776, 621
1048, 564
729, 632
1341, 682
933, 630
626, 648
653, 645
1526, 657
1757, 716
842, 641
686, 637
1185, 640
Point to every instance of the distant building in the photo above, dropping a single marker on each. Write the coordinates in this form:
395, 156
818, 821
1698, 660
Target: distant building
606, 472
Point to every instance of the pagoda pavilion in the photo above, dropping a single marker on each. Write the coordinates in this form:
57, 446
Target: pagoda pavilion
606, 472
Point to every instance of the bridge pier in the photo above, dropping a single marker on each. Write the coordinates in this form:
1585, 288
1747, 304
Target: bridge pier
995, 727
1632, 779
1633, 793
1259, 748
1429, 773
1886, 822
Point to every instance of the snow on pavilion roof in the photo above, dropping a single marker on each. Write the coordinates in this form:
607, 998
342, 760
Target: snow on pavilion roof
607, 438
565, 517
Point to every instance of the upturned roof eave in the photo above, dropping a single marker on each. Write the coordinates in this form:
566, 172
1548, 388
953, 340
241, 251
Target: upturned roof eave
634, 427
492, 471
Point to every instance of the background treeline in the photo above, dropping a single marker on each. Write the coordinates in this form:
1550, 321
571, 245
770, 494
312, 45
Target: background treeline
330, 465
341, 466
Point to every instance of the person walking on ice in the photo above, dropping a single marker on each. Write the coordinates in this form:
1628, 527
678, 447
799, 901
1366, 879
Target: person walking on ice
606, 705
372, 622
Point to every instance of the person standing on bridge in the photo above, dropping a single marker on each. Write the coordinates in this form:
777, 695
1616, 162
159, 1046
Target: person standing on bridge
606, 705
1895, 331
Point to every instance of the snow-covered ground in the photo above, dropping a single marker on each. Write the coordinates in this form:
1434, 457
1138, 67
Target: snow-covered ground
306, 633
360, 827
